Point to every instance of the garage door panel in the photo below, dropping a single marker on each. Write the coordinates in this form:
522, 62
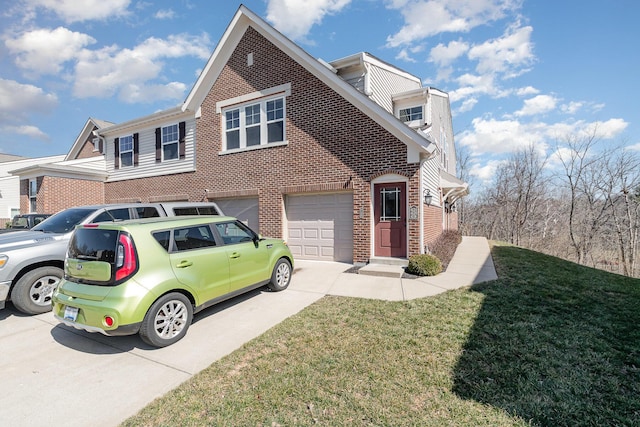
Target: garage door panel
320, 226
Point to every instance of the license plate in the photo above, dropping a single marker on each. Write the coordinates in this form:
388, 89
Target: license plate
70, 313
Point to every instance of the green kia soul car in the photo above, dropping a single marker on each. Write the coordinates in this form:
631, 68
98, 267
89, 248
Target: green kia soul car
150, 276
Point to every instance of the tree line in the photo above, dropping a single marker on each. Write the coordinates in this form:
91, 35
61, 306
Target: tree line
582, 203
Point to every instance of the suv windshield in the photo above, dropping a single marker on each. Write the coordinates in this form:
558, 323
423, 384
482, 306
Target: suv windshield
64, 221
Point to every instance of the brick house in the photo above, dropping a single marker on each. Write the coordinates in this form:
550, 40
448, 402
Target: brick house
348, 161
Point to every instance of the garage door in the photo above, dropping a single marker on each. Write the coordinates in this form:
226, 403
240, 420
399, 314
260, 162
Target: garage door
320, 226
245, 209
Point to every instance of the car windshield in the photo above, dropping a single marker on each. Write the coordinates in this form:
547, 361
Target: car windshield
64, 221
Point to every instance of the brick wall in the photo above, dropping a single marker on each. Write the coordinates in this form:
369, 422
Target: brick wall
56, 194
432, 224
329, 142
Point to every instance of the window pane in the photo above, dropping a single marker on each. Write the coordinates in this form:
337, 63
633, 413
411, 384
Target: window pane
232, 119
232, 232
126, 159
126, 143
170, 133
275, 132
410, 114
275, 109
233, 139
253, 136
170, 151
390, 199
252, 114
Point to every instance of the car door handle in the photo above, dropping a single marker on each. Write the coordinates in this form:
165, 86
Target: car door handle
184, 264
234, 255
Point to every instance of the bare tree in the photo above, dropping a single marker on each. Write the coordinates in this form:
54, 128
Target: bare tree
582, 175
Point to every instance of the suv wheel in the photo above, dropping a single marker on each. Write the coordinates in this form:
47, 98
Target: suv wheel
167, 320
32, 293
281, 275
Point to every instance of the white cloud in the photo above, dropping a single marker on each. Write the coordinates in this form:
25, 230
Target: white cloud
608, 129
526, 91
444, 55
537, 105
506, 55
126, 72
295, 18
44, 51
72, 11
31, 99
484, 172
15, 110
426, 18
467, 105
27, 130
501, 136
165, 14
572, 107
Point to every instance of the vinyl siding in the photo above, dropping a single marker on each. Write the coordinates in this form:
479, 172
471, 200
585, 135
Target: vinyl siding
385, 83
147, 165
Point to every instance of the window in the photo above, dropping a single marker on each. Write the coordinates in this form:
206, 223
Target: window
126, 151
390, 199
190, 238
411, 114
234, 232
33, 195
170, 137
256, 124
110, 215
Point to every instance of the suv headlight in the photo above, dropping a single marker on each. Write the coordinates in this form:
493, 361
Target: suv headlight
3, 260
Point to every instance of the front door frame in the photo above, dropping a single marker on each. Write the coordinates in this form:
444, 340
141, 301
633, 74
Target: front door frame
390, 179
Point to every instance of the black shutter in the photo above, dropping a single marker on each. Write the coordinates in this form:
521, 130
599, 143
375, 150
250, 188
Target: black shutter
116, 163
158, 145
136, 149
181, 143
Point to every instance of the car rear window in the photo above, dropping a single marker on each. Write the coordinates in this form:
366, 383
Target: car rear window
94, 244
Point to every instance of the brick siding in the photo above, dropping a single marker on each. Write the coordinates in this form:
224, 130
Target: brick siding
56, 194
330, 142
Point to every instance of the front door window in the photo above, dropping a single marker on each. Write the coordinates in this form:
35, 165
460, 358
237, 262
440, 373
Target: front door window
390, 199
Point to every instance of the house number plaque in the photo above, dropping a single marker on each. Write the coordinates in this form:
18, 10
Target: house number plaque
413, 213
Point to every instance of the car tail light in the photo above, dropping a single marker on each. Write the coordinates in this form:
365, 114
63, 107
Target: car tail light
108, 320
126, 261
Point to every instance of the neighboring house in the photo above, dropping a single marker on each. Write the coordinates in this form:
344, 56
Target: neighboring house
10, 184
64, 181
339, 159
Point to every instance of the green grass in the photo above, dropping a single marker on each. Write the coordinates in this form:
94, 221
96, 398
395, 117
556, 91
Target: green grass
550, 343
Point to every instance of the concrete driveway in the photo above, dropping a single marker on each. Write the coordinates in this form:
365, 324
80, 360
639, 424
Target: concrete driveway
53, 374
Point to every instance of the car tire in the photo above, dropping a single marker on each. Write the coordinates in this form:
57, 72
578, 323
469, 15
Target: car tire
32, 292
167, 321
281, 276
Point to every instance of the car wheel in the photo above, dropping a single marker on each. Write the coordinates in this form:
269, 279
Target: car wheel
32, 292
281, 275
167, 320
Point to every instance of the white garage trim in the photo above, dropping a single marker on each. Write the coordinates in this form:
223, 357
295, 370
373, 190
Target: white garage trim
320, 226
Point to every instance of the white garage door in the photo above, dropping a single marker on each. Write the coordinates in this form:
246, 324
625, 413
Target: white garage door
245, 209
320, 226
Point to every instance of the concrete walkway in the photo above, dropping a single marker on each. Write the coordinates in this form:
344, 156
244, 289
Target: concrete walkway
471, 264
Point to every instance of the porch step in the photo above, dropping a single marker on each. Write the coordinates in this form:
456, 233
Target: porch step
384, 267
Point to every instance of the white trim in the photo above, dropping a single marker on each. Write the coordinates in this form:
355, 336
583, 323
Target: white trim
284, 89
253, 147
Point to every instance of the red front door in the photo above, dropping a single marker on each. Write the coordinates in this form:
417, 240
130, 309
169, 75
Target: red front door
390, 215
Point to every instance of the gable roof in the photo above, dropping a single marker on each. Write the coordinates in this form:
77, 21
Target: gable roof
85, 133
418, 146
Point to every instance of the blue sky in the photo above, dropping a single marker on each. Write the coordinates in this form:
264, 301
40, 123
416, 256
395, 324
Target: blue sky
518, 72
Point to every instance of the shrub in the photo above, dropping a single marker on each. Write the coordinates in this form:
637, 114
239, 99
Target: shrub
445, 246
424, 265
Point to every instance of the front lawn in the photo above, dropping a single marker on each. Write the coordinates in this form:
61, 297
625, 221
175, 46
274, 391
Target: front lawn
549, 343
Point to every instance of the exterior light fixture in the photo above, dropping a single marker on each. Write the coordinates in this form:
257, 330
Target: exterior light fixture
428, 197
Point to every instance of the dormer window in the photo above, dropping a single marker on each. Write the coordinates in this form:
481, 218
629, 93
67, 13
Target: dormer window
411, 114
